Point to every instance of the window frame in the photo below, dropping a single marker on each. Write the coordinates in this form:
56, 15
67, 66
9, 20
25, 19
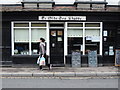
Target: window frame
30, 34
84, 28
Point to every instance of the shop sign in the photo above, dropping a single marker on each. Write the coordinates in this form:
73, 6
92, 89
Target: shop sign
78, 18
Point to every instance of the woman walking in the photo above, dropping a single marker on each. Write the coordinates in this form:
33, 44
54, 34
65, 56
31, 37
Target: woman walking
42, 51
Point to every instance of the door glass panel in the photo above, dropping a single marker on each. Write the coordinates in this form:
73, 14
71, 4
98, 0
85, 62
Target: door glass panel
60, 33
53, 33
59, 39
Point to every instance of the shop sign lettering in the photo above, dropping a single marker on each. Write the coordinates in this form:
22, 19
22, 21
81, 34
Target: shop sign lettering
79, 18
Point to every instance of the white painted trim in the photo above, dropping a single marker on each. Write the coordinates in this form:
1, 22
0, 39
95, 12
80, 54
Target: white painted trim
83, 38
101, 37
48, 39
30, 49
39, 27
65, 41
12, 40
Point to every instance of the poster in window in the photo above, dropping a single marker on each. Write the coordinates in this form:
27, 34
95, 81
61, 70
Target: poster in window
59, 38
111, 52
117, 57
60, 33
105, 33
53, 33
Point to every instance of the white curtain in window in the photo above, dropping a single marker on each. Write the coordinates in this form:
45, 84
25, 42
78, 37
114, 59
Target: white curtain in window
37, 34
75, 32
90, 32
21, 35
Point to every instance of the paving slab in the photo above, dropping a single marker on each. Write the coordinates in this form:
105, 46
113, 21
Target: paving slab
87, 74
43, 74
64, 74
33, 71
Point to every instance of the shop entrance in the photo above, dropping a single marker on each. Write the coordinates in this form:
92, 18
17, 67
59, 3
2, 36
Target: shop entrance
57, 46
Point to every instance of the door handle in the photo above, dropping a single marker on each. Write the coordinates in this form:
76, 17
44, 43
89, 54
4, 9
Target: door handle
53, 44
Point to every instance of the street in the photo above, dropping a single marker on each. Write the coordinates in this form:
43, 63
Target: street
59, 83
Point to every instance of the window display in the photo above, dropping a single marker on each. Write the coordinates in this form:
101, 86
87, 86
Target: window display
74, 44
26, 37
80, 36
92, 39
21, 48
83, 42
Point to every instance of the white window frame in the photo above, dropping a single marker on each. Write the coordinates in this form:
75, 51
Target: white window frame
65, 35
30, 28
100, 27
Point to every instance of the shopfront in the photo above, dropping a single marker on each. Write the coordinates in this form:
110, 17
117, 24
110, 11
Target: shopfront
64, 32
62, 38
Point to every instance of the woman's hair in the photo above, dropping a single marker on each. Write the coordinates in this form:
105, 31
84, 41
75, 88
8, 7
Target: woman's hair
42, 39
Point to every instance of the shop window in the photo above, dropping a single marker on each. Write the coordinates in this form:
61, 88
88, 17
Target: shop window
92, 40
83, 42
21, 24
92, 25
21, 35
75, 40
21, 48
75, 32
38, 25
92, 32
75, 44
26, 37
37, 33
75, 25
21, 41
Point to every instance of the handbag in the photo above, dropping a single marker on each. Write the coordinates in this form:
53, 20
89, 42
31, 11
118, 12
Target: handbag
38, 60
42, 61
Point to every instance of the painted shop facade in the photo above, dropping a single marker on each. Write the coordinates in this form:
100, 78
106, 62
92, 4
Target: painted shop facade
82, 26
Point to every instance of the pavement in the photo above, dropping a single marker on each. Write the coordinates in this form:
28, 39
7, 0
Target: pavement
20, 70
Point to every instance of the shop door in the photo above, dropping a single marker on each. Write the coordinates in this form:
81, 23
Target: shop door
57, 46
